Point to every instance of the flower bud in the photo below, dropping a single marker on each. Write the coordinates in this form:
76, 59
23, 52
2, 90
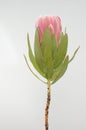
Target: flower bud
50, 57
50, 44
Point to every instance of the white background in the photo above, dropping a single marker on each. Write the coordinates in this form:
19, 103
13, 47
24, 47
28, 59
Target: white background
22, 96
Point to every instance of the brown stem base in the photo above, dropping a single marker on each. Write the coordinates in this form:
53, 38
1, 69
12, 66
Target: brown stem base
47, 107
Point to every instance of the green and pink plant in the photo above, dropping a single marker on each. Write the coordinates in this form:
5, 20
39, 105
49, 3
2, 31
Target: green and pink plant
50, 56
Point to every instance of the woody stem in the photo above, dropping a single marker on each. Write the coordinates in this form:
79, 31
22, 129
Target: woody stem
47, 106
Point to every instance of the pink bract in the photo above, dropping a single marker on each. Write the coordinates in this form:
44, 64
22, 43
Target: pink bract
51, 22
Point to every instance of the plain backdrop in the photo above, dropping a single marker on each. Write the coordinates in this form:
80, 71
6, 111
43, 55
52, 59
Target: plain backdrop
22, 96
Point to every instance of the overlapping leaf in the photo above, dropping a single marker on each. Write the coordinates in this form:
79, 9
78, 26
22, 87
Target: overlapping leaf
47, 53
38, 52
32, 58
62, 50
59, 72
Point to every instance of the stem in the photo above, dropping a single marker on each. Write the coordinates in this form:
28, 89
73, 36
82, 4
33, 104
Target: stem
47, 106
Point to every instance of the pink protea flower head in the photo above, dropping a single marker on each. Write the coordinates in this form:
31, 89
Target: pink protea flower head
51, 22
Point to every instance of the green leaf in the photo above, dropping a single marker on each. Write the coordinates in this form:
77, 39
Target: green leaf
38, 52
59, 72
47, 44
32, 71
32, 58
54, 47
46, 48
74, 54
62, 50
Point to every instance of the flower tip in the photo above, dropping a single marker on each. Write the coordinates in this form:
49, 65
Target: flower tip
27, 34
78, 47
65, 29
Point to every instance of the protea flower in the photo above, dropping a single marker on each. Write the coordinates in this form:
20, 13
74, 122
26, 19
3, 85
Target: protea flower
50, 57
